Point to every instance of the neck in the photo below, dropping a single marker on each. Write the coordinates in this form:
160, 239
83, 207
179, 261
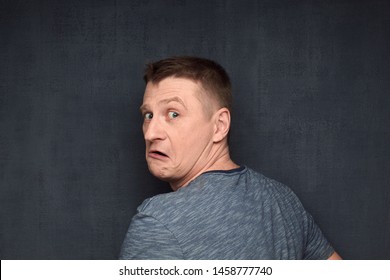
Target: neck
220, 160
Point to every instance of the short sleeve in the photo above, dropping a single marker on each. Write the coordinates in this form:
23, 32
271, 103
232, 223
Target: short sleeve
317, 246
148, 239
313, 244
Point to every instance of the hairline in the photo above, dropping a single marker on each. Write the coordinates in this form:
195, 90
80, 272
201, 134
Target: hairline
208, 107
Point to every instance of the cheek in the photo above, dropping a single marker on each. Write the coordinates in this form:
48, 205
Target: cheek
189, 141
185, 143
198, 137
144, 129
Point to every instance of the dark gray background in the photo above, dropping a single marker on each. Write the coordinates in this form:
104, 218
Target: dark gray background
311, 91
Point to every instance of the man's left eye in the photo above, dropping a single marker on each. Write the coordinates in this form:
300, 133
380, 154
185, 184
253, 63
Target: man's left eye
173, 115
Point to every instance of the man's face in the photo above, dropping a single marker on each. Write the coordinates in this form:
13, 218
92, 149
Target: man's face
178, 132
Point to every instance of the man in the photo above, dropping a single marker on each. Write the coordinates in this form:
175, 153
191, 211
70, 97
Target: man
218, 209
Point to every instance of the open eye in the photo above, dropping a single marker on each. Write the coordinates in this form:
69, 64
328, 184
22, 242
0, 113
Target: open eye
148, 116
173, 115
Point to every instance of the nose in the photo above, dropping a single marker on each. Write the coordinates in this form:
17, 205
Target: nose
153, 130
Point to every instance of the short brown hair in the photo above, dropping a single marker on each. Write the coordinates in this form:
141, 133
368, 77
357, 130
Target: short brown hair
210, 74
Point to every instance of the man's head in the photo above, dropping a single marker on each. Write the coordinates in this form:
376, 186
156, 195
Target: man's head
210, 75
186, 111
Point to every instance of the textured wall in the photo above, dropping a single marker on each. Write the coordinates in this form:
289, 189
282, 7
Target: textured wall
311, 87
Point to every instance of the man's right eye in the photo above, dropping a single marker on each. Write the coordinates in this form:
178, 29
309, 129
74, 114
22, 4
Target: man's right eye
148, 116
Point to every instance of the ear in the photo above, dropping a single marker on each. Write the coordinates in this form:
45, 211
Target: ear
222, 124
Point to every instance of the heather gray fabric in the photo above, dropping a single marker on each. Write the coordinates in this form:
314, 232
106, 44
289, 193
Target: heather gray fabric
236, 214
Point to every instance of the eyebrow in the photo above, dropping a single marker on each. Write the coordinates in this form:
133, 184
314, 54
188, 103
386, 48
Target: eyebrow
165, 101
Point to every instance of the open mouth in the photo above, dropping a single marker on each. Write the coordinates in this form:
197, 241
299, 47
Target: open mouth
157, 154
160, 153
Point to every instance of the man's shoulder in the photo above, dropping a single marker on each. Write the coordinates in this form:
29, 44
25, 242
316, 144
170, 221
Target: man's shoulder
260, 182
216, 184
155, 201
166, 204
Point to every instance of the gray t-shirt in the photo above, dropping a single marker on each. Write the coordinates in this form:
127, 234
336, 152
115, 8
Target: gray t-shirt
236, 214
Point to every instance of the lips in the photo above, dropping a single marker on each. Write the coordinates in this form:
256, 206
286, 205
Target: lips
157, 154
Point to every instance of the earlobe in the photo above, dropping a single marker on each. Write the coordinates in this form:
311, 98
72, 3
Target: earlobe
222, 124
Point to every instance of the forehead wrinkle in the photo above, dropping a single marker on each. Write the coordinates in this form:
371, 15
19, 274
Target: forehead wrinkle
172, 89
173, 99
144, 107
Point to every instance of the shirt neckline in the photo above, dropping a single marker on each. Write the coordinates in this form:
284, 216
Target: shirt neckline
229, 171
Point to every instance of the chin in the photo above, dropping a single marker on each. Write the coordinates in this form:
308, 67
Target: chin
160, 173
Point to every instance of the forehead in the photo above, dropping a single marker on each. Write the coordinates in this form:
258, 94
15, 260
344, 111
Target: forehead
169, 87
